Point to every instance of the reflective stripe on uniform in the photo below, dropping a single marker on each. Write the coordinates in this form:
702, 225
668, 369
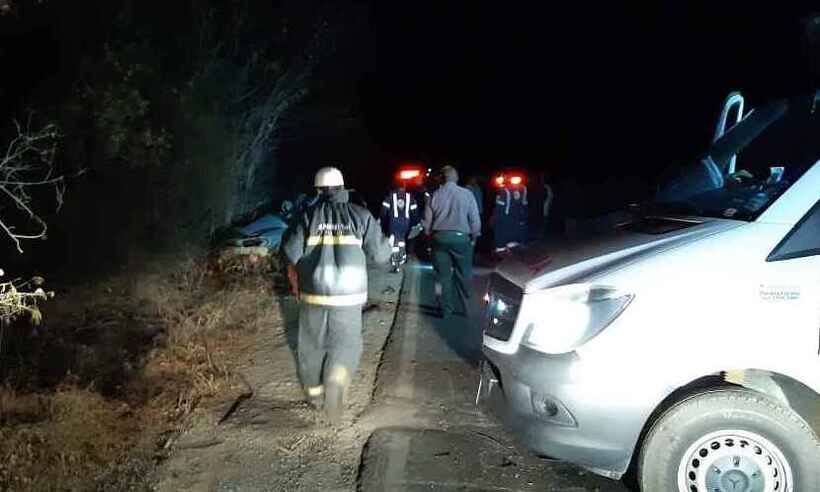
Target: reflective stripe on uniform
334, 240
395, 207
339, 375
340, 300
407, 207
507, 209
385, 205
505, 203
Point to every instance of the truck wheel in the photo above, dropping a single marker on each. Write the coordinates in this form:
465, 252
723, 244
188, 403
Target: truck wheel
730, 441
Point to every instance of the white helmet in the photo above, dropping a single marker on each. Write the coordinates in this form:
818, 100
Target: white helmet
328, 177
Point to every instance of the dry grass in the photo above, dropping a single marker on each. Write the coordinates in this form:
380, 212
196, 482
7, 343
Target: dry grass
121, 394
79, 434
209, 310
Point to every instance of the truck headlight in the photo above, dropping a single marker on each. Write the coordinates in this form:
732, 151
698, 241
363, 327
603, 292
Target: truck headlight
566, 317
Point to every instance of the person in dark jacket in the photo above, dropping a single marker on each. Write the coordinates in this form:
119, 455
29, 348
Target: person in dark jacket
472, 185
451, 220
400, 213
327, 249
510, 217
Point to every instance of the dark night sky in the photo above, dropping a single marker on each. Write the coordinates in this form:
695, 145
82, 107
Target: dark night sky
609, 90
588, 90
592, 89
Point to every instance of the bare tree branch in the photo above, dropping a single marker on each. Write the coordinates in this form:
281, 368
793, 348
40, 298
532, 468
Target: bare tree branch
29, 163
259, 125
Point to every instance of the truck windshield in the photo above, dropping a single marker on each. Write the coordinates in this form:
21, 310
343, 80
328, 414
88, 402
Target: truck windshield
774, 144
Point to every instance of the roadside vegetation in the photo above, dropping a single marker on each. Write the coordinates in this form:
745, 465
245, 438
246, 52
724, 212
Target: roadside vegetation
94, 395
138, 135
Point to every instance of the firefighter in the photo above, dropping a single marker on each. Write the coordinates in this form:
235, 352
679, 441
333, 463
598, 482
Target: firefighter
510, 213
326, 249
400, 214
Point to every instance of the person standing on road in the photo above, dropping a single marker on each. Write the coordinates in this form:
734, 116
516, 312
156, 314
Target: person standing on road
452, 221
472, 185
400, 214
326, 250
546, 206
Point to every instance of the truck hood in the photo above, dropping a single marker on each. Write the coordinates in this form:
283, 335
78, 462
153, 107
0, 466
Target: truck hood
549, 263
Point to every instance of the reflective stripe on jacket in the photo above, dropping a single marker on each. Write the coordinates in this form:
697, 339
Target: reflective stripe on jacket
505, 199
328, 245
400, 212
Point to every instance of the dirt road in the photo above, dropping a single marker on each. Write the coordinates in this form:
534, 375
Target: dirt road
412, 424
272, 441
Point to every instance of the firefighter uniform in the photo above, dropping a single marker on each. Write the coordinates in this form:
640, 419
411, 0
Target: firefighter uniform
327, 247
510, 217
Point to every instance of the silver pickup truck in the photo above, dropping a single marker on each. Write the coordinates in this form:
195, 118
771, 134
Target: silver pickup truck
684, 344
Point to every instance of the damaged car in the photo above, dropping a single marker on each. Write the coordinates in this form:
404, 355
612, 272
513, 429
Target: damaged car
683, 345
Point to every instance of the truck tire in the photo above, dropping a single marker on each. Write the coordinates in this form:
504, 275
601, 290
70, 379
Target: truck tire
728, 441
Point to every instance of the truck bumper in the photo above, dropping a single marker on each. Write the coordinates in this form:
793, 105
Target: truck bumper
538, 398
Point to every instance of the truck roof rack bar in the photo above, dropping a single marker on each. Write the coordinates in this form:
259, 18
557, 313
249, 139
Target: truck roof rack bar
732, 100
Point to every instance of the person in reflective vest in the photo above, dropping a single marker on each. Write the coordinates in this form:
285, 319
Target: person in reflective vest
510, 217
400, 213
326, 248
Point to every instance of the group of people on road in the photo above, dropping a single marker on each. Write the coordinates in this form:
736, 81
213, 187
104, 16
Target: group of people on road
513, 220
327, 247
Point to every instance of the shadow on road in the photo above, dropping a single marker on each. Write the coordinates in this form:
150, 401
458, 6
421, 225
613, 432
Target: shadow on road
462, 334
475, 459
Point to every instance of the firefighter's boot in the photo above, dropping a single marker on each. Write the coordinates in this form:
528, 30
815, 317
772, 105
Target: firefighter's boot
315, 396
335, 394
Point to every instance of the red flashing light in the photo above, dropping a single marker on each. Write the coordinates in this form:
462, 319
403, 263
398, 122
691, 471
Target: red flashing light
508, 180
409, 174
